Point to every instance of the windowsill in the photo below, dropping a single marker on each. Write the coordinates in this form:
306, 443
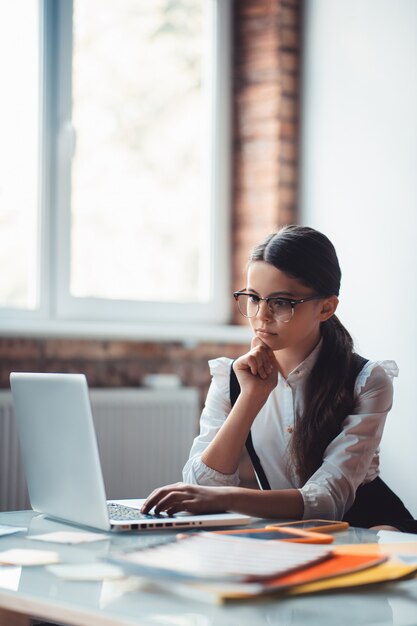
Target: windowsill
185, 333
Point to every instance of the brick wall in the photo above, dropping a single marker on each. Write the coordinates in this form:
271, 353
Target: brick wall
113, 363
266, 81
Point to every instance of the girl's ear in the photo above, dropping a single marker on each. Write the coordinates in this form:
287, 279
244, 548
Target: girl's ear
329, 306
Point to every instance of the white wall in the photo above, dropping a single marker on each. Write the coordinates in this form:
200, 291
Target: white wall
359, 186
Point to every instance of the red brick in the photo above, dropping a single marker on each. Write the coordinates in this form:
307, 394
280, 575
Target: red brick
250, 44
288, 215
290, 38
263, 130
258, 101
67, 349
254, 8
288, 174
289, 130
289, 109
259, 152
292, 3
288, 195
289, 62
290, 84
258, 71
17, 348
288, 150
289, 16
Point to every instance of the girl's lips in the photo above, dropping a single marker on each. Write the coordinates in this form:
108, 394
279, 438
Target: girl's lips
264, 333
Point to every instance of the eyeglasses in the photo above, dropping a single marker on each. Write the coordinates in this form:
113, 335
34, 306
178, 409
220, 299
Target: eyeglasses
281, 308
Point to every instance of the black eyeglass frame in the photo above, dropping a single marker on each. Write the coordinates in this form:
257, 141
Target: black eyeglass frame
293, 303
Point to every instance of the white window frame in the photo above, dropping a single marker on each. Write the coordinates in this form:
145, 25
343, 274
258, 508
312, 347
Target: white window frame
60, 313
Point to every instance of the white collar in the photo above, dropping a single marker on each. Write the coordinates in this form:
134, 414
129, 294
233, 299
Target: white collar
307, 365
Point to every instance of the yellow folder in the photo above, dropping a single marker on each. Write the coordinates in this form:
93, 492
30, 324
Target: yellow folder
386, 572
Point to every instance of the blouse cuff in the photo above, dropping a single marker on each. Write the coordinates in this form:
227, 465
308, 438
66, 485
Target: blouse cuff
205, 475
318, 503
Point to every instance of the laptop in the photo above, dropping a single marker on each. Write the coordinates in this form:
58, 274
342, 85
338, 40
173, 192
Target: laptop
62, 465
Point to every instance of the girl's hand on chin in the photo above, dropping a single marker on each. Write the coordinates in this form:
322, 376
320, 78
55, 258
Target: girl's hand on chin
178, 497
257, 370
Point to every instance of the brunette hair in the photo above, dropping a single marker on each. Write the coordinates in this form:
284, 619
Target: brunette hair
309, 256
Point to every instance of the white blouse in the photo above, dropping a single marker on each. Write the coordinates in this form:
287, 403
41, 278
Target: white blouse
351, 459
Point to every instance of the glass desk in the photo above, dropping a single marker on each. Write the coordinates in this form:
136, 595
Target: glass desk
33, 591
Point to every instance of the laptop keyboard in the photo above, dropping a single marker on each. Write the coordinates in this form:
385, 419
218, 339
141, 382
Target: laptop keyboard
121, 512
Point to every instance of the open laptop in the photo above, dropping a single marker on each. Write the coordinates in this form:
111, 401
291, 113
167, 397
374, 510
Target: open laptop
62, 465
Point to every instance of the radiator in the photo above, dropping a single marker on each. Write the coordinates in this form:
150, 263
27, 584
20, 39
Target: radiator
144, 437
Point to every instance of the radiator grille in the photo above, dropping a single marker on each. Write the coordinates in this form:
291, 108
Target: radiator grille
144, 438
13, 492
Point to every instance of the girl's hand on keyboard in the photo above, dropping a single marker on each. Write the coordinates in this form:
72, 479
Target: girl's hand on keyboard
182, 497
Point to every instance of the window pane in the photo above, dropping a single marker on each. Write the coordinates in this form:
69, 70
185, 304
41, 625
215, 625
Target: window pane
19, 150
139, 188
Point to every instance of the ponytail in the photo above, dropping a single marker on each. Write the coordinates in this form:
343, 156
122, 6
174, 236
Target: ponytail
328, 398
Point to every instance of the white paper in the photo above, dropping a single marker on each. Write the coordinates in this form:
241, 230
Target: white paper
69, 537
28, 557
10, 577
111, 590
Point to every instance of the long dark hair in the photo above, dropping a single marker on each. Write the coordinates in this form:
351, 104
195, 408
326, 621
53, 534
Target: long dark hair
309, 256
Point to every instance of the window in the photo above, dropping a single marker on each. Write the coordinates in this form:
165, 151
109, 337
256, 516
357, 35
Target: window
19, 149
124, 216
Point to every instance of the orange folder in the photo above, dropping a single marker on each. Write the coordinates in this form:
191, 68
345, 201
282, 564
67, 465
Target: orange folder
337, 565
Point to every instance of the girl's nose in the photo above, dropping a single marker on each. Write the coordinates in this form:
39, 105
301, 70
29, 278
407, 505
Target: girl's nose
264, 312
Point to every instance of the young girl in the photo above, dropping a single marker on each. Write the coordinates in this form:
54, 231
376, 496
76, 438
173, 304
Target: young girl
310, 411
